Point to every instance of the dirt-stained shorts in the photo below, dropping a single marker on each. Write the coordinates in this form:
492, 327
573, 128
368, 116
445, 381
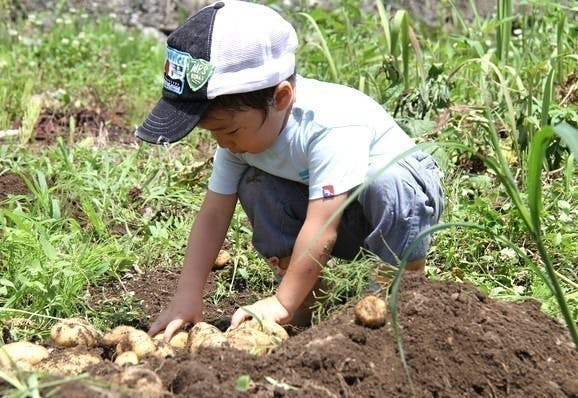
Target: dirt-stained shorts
402, 201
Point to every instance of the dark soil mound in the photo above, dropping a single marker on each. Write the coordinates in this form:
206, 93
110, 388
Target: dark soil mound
457, 343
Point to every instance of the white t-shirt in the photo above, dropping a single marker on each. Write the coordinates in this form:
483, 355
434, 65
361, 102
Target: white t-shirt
332, 137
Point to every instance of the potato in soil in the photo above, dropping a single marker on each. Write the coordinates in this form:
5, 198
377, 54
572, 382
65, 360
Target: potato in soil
163, 350
69, 362
137, 341
222, 259
370, 311
114, 337
73, 332
142, 380
22, 354
204, 335
269, 327
126, 358
178, 340
253, 341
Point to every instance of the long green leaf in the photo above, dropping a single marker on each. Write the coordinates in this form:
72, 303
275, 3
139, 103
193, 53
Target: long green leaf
535, 160
547, 97
324, 46
400, 31
384, 19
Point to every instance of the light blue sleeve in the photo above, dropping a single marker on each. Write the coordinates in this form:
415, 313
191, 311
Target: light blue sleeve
227, 172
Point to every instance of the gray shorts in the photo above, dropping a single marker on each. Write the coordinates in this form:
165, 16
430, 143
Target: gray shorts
387, 216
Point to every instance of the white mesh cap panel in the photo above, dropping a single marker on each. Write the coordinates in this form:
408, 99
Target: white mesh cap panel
252, 48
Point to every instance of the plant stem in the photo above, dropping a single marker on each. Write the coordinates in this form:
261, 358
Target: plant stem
558, 292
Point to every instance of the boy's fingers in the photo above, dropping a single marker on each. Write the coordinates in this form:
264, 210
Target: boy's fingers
155, 328
239, 316
171, 328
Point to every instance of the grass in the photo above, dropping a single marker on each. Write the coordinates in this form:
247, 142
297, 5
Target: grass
96, 213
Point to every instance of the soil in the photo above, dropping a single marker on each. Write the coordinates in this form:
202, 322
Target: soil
12, 184
457, 341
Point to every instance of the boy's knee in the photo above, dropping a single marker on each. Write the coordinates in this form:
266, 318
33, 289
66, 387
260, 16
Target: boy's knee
403, 201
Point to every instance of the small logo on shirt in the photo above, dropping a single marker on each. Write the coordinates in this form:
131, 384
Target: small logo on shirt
328, 191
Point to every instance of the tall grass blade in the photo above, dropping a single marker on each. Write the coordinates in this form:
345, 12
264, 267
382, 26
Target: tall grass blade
323, 44
33, 109
384, 21
535, 161
504, 29
570, 167
547, 97
560, 40
400, 32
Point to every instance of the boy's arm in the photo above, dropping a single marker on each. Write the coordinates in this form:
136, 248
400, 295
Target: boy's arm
312, 250
205, 240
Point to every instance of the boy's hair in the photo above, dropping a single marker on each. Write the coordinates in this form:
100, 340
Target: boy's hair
259, 99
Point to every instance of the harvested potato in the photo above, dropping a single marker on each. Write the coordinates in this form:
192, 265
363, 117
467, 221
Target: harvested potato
138, 341
222, 259
114, 337
199, 333
370, 311
251, 340
210, 341
163, 350
22, 354
270, 327
69, 362
73, 332
178, 340
143, 381
126, 358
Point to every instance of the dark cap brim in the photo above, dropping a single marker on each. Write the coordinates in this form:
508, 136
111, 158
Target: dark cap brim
170, 121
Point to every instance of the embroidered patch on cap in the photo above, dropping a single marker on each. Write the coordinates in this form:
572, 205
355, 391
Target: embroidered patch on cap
175, 70
328, 191
198, 72
180, 66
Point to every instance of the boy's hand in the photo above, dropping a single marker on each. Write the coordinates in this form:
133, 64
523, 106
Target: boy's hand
184, 308
268, 308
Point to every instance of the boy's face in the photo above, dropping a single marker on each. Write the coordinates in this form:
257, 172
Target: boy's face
242, 131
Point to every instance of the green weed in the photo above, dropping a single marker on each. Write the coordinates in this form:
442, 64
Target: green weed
496, 85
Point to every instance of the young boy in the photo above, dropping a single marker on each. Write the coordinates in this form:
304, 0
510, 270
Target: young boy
291, 150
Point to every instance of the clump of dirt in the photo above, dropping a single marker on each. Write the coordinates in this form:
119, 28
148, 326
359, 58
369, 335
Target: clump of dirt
12, 184
457, 342
85, 122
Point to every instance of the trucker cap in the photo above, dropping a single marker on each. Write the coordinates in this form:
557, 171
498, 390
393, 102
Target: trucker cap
228, 47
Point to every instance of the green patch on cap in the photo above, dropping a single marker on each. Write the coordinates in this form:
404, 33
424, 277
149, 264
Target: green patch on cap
198, 72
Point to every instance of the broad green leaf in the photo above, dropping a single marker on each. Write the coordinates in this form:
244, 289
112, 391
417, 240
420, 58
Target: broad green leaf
48, 249
5, 282
242, 383
569, 135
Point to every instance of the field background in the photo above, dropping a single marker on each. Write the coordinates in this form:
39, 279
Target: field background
84, 207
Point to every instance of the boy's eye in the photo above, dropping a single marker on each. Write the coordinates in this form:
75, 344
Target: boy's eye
232, 132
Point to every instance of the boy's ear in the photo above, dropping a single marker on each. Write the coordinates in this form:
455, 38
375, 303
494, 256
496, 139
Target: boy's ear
283, 95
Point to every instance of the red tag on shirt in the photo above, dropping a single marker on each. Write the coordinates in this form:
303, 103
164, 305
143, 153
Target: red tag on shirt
328, 191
